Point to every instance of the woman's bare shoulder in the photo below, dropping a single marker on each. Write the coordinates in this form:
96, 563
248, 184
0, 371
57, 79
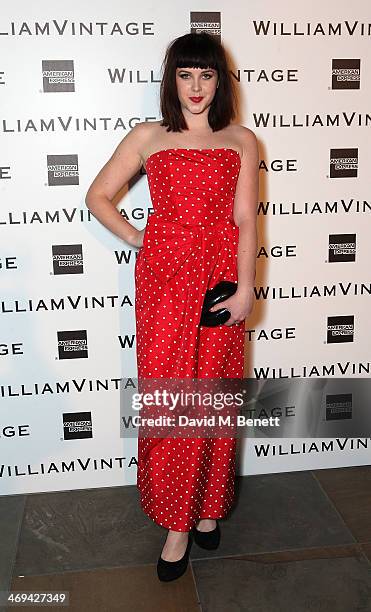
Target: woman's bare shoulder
147, 133
246, 141
146, 130
137, 140
147, 127
243, 133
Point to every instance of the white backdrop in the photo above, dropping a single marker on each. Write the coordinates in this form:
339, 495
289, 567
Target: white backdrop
73, 80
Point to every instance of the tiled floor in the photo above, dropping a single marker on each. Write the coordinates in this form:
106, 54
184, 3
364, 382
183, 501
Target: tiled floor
298, 541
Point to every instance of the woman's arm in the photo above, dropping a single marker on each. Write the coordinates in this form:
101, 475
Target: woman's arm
124, 163
245, 213
240, 304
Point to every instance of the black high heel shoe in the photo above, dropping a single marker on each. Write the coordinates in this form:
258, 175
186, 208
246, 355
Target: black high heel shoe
170, 570
209, 540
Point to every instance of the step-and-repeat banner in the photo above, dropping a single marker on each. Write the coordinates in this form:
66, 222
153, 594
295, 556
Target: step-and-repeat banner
74, 79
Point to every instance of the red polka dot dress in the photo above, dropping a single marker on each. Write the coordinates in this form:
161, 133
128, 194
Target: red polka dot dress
190, 244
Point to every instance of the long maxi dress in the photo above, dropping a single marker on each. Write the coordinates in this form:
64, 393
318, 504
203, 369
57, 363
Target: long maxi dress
190, 243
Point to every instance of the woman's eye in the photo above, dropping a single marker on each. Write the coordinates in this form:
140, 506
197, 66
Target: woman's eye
184, 75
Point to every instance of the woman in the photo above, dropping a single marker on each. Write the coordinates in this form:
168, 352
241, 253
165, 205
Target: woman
202, 172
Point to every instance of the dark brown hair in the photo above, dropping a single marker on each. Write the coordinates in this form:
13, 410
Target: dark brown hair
193, 50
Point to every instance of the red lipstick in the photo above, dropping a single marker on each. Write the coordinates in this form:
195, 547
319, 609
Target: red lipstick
196, 100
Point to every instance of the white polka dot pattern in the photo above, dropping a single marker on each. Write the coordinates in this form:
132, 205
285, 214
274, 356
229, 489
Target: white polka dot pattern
190, 244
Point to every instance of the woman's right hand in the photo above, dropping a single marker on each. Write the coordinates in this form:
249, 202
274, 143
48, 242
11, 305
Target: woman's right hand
137, 240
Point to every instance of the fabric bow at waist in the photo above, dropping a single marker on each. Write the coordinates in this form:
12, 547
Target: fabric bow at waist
168, 244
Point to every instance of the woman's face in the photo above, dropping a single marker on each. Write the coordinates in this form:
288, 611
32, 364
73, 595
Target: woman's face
196, 88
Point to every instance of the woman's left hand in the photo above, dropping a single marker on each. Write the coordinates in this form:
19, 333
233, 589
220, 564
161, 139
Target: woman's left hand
240, 305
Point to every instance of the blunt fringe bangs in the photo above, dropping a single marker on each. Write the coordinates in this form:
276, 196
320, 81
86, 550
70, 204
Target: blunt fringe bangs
193, 50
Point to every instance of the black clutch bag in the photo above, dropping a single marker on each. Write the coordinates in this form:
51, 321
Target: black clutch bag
222, 290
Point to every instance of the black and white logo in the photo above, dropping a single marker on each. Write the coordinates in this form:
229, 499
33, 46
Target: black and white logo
205, 21
67, 259
58, 75
343, 163
72, 344
346, 73
339, 406
342, 247
63, 169
77, 425
340, 329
